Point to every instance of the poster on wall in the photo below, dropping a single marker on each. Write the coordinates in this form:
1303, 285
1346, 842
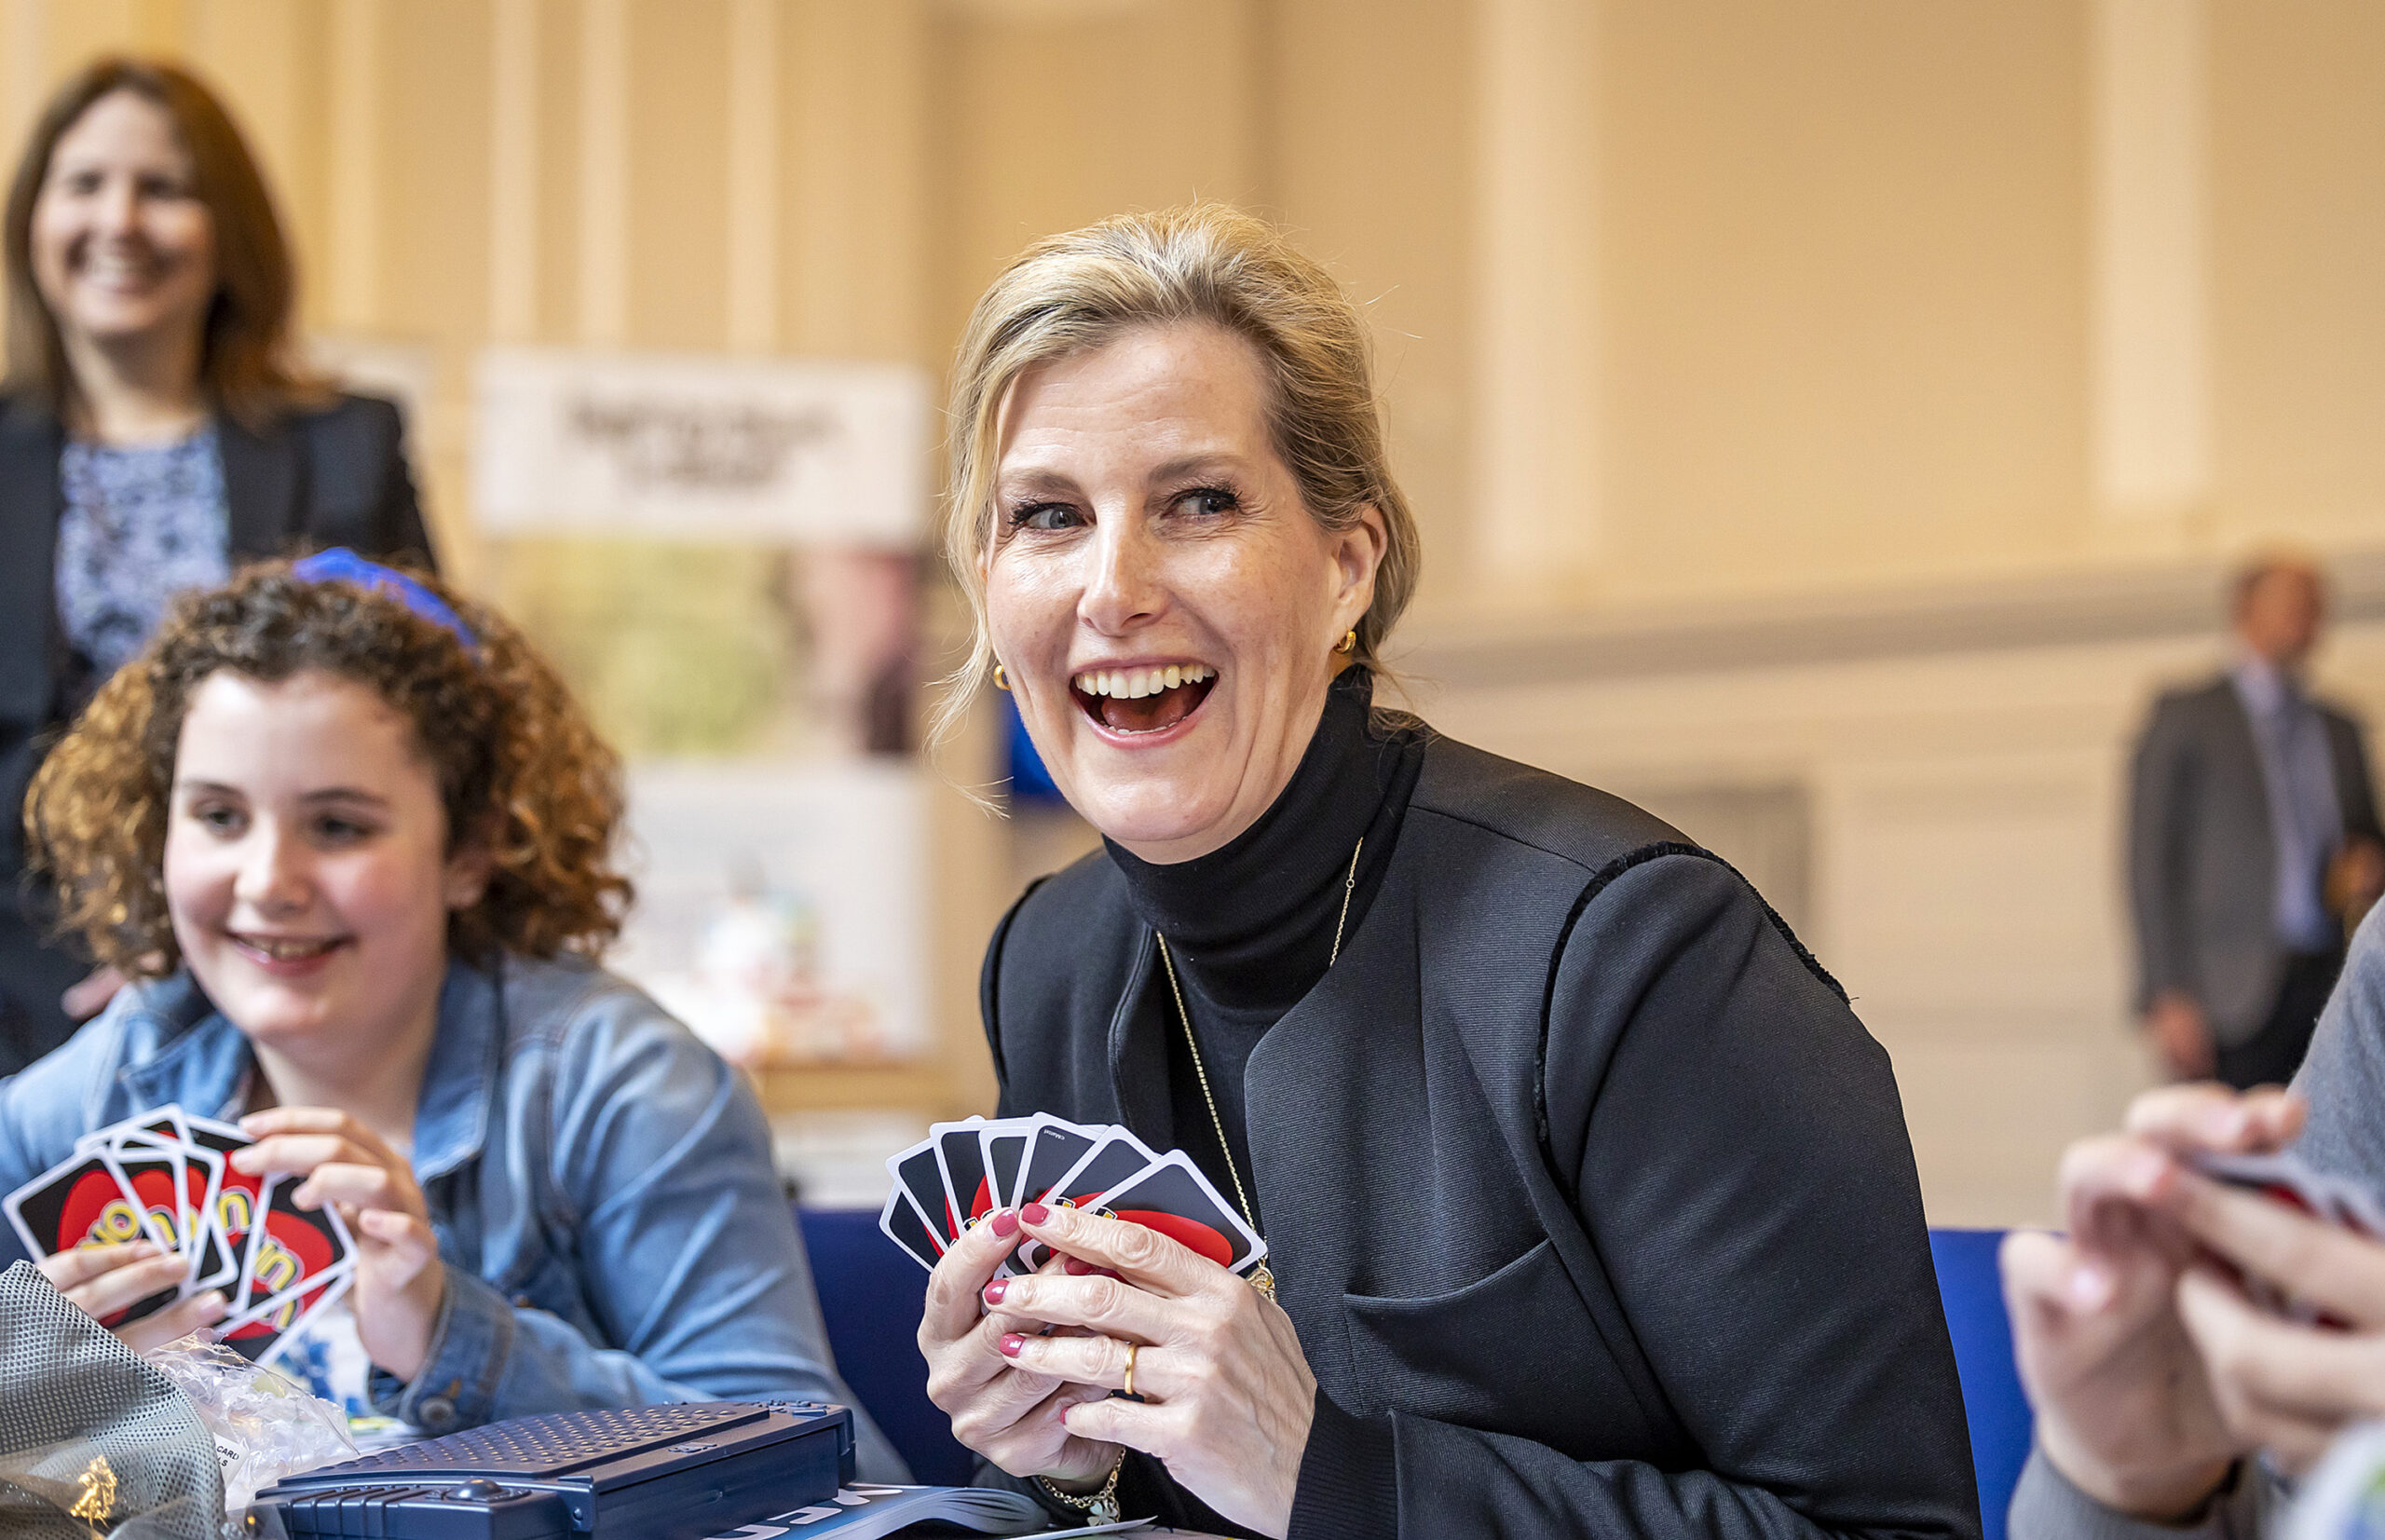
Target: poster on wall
721, 554
782, 909
690, 447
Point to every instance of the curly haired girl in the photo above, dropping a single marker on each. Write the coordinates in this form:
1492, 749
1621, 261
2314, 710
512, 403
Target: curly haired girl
350, 837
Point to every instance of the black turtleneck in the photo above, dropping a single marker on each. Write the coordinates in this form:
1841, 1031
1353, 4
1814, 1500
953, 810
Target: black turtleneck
1251, 925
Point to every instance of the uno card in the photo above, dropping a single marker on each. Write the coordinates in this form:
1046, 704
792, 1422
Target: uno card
1053, 1150
259, 1332
153, 1178
296, 1331
235, 1195
900, 1219
179, 1215
960, 1155
1006, 1159
288, 1246
213, 1261
76, 1203
2280, 1179
158, 1132
916, 1172
2285, 1179
1115, 1158
1174, 1198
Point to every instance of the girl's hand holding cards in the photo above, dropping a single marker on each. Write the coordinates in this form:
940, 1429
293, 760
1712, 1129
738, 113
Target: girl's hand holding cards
399, 1281
104, 1281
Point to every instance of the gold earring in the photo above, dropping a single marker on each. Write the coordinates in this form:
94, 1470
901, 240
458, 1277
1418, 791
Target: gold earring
1349, 642
1001, 680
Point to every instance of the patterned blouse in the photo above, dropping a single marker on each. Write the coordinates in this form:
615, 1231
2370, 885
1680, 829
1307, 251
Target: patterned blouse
143, 524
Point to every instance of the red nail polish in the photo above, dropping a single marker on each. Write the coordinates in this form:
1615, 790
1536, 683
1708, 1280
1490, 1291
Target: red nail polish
1076, 1268
1004, 1221
1035, 1213
995, 1290
1011, 1343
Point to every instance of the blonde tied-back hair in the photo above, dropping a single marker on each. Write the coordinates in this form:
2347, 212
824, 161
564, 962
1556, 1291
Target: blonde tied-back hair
1203, 263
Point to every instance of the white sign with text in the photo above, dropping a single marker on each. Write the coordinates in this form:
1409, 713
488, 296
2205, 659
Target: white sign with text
693, 446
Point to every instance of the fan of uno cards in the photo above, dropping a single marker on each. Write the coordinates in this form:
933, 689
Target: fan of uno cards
166, 1176
963, 1172
2286, 1180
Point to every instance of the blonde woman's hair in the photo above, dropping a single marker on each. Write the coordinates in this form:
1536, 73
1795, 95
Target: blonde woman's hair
1202, 263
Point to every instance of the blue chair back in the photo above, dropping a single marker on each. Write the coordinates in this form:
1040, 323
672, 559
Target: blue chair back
1972, 1294
872, 1294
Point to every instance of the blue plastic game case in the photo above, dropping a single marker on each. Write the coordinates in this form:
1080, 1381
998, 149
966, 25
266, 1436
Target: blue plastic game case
680, 1472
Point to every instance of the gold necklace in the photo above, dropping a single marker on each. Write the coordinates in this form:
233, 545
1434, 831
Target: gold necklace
1260, 1278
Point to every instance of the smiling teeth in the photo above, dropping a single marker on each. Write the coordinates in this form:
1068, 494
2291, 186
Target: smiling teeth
1133, 684
287, 951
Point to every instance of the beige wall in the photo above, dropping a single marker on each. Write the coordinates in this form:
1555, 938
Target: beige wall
1827, 274
1700, 321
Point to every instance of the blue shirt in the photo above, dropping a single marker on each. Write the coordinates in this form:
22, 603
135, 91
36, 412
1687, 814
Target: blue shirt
142, 522
2304, 819
601, 1185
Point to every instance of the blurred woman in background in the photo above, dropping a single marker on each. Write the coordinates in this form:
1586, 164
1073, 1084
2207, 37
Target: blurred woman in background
156, 429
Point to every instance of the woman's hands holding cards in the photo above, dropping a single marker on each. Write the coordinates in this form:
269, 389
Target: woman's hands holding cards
1225, 1395
400, 1284
2126, 1408
101, 1280
2284, 1385
1006, 1413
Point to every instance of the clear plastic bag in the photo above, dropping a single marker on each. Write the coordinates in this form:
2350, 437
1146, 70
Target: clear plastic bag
265, 1426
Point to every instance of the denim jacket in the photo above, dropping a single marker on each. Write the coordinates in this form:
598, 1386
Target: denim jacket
600, 1182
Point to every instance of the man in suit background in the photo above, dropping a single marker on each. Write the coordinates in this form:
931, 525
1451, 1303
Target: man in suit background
2253, 844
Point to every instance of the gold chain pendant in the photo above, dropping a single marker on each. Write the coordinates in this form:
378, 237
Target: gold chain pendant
1261, 1276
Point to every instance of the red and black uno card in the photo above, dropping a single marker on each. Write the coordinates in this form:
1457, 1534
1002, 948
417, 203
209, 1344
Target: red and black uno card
214, 1261
317, 1300
916, 1172
291, 1251
961, 1156
1005, 1158
1174, 1198
79, 1203
2281, 1179
153, 1178
1116, 1158
1053, 1151
259, 1332
236, 1195
900, 1219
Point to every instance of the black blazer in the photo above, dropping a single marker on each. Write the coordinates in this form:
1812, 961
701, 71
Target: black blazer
336, 476
1588, 1195
2202, 857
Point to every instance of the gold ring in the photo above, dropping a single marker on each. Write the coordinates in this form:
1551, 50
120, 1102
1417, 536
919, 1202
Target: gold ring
1128, 1388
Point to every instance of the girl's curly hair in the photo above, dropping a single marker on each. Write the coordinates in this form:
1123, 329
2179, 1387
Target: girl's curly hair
519, 767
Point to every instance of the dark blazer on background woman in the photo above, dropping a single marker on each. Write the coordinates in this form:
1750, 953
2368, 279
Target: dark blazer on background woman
1588, 1195
336, 476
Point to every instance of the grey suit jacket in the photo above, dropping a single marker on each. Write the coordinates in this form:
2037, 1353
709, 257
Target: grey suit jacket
2202, 860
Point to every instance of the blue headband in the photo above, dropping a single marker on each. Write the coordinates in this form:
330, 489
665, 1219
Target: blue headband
339, 564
